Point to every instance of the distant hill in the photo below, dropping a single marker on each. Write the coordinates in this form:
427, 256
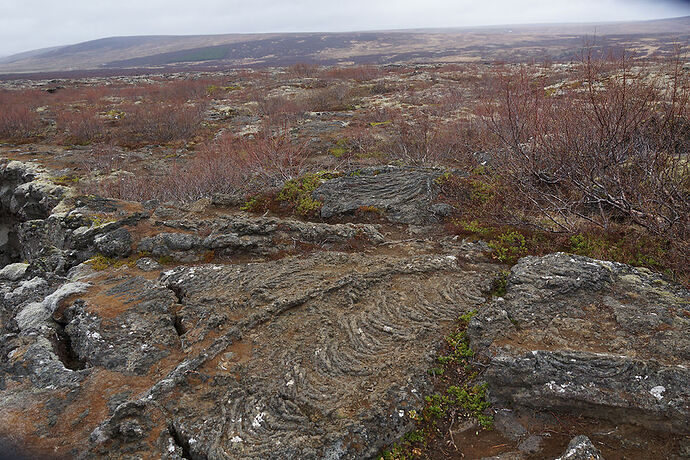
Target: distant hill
505, 43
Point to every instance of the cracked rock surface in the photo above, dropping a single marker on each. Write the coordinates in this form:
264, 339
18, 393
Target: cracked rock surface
599, 338
402, 194
190, 331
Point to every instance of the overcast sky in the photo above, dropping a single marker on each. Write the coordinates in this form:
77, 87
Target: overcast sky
31, 24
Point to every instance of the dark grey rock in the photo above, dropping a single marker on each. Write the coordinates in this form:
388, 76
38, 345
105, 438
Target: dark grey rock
581, 448
684, 450
257, 235
130, 342
312, 357
404, 194
531, 445
507, 456
227, 240
597, 338
164, 244
226, 200
147, 264
25, 194
116, 243
506, 422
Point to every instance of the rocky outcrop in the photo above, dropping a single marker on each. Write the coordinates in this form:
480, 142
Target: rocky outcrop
402, 194
25, 194
590, 337
251, 235
318, 356
197, 331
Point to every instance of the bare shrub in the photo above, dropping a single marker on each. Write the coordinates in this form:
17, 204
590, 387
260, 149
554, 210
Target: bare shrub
158, 123
19, 121
421, 139
248, 164
90, 95
180, 91
103, 159
268, 158
127, 186
355, 145
608, 147
281, 109
303, 69
333, 98
358, 73
176, 92
81, 126
228, 164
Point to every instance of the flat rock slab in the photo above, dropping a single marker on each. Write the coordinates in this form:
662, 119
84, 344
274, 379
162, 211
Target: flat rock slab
592, 337
404, 194
320, 356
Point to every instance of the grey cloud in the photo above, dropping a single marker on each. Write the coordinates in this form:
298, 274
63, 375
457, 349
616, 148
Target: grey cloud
31, 24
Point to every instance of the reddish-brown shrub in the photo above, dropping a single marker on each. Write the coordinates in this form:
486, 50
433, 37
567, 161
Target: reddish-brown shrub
226, 165
358, 73
331, 98
103, 159
157, 123
81, 126
302, 69
609, 147
266, 159
422, 139
19, 121
281, 109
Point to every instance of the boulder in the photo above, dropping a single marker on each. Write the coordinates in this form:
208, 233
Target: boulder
596, 338
403, 194
581, 448
13, 272
117, 243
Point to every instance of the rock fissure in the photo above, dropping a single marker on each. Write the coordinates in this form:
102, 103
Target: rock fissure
62, 346
180, 442
251, 348
10, 247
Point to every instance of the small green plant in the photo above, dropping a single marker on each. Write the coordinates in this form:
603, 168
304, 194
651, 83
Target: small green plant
397, 452
101, 262
437, 405
340, 149
99, 221
297, 192
474, 227
415, 436
509, 247
257, 203
443, 178
370, 210
498, 285
586, 245
114, 114
473, 400
212, 89
481, 191
66, 180
469, 399
459, 346
165, 260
